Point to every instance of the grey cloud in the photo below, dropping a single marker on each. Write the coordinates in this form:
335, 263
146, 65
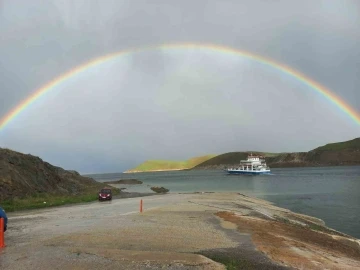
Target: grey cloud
173, 104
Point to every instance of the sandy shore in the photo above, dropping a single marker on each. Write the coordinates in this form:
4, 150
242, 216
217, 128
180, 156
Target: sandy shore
175, 231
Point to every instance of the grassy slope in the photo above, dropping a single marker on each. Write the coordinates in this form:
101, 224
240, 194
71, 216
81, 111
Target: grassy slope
352, 144
44, 200
28, 182
154, 165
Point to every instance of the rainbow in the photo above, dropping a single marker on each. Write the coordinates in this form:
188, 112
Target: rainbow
22, 106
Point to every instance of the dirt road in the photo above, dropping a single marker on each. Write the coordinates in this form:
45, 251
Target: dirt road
39, 239
175, 231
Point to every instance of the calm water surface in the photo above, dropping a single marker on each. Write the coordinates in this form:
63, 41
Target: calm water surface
331, 193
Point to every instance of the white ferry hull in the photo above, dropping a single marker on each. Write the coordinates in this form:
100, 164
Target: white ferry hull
247, 172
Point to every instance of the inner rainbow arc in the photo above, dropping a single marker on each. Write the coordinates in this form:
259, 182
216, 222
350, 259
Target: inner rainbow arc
38, 93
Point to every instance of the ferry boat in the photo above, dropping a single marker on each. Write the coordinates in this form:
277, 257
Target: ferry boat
253, 165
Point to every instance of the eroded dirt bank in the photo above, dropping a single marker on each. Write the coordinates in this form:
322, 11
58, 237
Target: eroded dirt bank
176, 231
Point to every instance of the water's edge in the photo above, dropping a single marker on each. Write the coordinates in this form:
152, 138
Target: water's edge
328, 193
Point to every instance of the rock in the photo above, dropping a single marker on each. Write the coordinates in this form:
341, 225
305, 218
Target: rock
159, 189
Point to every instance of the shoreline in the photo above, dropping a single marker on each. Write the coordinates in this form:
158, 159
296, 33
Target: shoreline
163, 170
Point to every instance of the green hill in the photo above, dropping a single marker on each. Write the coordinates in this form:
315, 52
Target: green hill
168, 165
352, 144
27, 182
333, 154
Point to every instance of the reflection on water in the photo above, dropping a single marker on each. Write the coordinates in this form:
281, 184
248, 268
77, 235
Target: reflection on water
331, 193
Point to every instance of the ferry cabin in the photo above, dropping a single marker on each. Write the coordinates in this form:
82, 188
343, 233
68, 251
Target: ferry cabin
251, 164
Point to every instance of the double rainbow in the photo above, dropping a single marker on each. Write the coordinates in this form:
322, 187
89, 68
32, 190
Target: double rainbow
346, 108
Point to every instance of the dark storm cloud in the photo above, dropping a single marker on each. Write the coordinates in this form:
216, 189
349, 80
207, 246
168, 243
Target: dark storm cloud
162, 104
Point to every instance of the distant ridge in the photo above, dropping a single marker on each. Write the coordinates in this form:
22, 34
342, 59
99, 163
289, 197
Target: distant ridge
347, 145
169, 165
333, 154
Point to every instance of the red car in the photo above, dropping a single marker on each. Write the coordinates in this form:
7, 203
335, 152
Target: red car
105, 194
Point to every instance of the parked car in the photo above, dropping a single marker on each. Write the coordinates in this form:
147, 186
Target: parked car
3, 215
105, 194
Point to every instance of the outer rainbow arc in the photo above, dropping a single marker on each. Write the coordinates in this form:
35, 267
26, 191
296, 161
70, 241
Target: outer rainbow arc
216, 48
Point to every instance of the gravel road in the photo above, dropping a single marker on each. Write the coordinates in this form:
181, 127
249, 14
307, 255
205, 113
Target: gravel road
97, 236
175, 231
25, 226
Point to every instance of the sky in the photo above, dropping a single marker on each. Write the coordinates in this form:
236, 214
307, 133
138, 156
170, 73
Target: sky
175, 103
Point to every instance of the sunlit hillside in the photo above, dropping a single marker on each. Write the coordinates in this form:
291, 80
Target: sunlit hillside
164, 165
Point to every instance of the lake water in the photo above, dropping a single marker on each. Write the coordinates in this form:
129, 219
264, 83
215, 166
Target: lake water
329, 193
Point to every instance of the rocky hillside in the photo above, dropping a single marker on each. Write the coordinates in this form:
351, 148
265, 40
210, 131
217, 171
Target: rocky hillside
26, 175
334, 154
